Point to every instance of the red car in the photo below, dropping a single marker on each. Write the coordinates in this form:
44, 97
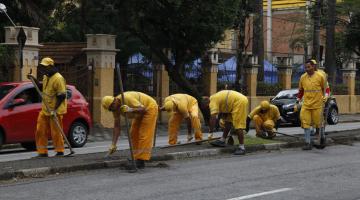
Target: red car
20, 105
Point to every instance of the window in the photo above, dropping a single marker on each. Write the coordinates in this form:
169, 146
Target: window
68, 94
5, 89
30, 96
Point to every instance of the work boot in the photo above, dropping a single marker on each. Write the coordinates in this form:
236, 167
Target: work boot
322, 144
261, 135
271, 135
239, 151
218, 143
307, 147
59, 154
129, 167
140, 164
41, 155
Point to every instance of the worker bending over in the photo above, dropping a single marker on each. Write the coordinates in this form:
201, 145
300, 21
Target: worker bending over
182, 106
233, 109
143, 110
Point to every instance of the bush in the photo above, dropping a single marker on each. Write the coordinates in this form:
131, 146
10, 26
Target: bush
264, 89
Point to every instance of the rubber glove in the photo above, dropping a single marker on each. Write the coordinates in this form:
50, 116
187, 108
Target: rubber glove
125, 109
112, 149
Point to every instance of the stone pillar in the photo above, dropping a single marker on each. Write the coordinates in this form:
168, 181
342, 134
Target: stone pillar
210, 72
30, 51
251, 72
349, 80
100, 49
284, 71
161, 82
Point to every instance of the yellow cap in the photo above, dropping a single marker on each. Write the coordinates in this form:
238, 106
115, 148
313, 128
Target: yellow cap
47, 62
168, 106
107, 101
313, 61
265, 105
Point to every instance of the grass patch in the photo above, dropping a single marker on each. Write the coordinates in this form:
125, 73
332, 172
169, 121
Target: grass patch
250, 140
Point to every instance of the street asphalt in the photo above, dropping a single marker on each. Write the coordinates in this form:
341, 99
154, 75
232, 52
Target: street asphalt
289, 174
17, 163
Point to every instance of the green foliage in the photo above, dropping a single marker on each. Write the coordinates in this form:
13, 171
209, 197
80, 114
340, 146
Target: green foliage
27, 13
351, 9
187, 28
264, 89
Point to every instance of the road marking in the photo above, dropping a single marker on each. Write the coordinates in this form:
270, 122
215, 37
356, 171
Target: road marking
261, 194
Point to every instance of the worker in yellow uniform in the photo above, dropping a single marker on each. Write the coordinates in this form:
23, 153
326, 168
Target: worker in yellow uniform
54, 94
266, 118
327, 88
232, 106
143, 109
182, 106
323, 73
311, 90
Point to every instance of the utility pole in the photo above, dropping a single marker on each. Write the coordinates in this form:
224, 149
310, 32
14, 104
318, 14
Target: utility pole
307, 47
269, 31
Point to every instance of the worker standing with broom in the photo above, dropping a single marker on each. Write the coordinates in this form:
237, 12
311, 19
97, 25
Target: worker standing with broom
53, 103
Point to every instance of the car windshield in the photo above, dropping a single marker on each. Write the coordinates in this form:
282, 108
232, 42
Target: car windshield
5, 89
286, 94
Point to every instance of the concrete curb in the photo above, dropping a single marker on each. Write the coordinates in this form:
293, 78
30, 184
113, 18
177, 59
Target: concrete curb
203, 153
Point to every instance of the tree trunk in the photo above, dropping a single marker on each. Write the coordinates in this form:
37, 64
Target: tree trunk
240, 61
330, 58
316, 36
258, 39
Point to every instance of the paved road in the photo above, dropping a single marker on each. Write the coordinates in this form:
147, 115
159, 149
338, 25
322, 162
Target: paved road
332, 173
102, 146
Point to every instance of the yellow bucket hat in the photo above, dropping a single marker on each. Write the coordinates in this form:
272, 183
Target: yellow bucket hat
265, 105
107, 101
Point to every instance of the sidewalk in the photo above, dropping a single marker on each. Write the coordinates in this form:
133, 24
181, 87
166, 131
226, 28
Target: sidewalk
41, 167
105, 134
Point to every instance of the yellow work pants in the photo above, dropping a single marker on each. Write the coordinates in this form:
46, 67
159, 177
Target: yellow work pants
142, 133
46, 124
239, 114
261, 125
310, 117
175, 121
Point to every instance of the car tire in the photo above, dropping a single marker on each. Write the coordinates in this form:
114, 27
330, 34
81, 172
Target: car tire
31, 146
1, 138
78, 134
296, 123
333, 116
